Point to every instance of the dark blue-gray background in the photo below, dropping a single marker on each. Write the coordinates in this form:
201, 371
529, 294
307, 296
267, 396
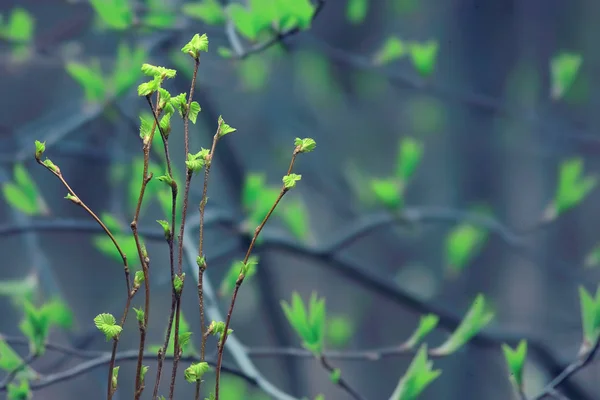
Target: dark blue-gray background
492, 135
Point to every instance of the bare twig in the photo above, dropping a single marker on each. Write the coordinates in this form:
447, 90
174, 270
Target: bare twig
130, 293
188, 179
241, 277
582, 361
170, 243
104, 358
202, 265
234, 346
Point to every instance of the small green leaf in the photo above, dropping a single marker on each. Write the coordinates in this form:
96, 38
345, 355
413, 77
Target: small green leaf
418, 376
9, 359
564, 68
90, 79
207, 11
139, 314
166, 228
356, 10
196, 371
305, 145
20, 391
423, 56
572, 188
388, 192
19, 27
138, 278
51, 166
590, 316
253, 185
224, 129
289, 181
392, 50
35, 326
148, 88
23, 179
115, 377
19, 200
194, 163
116, 14
237, 267
178, 283
335, 376
462, 245
478, 316
196, 45
409, 157
308, 322
427, 323
107, 324
143, 373
158, 71
515, 359
194, 110
40, 148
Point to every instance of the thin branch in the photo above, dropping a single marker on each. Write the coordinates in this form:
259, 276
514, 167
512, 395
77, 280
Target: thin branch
188, 179
240, 279
233, 345
142, 253
581, 362
55, 170
341, 382
31, 357
348, 269
170, 243
105, 358
215, 217
202, 265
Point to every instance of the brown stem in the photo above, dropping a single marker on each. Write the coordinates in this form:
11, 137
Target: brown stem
186, 124
170, 241
146, 177
56, 171
240, 279
202, 268
176, 349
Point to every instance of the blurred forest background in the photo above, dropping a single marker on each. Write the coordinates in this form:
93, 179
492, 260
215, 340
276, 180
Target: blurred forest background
493, 138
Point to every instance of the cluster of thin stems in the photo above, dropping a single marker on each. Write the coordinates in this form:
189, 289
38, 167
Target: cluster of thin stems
176, 272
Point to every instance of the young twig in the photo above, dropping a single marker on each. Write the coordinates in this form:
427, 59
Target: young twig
170, 242
582, 361
130, 293
188, 179
240, 280
203, 265
144, 260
